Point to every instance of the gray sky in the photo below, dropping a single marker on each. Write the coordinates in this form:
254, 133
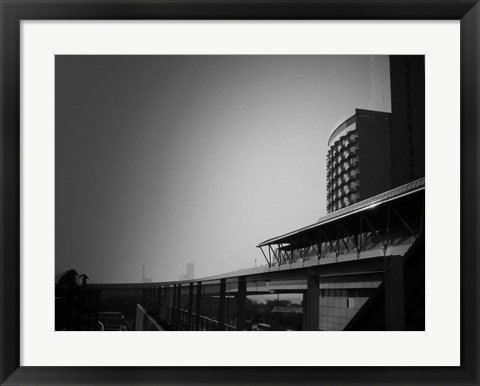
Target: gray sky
164, 160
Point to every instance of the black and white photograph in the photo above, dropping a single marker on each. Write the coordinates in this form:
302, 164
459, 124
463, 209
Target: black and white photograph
239, 192
236, 192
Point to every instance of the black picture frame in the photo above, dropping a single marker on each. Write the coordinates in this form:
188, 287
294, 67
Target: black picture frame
13, 11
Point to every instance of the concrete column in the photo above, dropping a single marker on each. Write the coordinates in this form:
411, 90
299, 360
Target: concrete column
241, 299
311, 300
221, 304
394, 294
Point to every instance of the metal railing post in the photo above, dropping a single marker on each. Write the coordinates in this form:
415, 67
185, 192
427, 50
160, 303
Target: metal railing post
221, 304
190, 306
198, 307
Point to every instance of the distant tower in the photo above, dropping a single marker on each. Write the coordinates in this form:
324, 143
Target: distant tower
190, 268
145, 279
189, 274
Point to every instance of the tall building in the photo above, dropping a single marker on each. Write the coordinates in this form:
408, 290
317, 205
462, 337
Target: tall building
358, 161
375, 151
190, 268
407, 79
144, 278
189, 274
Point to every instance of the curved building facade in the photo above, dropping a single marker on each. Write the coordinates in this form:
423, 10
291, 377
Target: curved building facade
359, 159
372, 151
343, 166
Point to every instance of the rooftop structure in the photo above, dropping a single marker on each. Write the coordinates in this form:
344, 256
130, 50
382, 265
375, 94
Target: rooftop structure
385, 224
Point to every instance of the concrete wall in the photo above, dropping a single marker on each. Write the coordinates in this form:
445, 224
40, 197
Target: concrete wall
342, 297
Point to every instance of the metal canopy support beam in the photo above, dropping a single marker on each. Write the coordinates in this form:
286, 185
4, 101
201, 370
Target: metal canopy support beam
241, 300
360, 237
305, 249
198, 306
333, 247
388, 229
221, 304
345, 243
403, 222
351, 238
319, 245
374, 232
286, 257
314, 247
297, 248
307, 244
289, 256
283, 254
280, 253
394, 294
337, 241
269, 262
293, 246
274, 254
312, 302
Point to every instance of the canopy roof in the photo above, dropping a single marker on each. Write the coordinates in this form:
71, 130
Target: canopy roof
401, 193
